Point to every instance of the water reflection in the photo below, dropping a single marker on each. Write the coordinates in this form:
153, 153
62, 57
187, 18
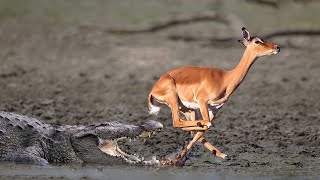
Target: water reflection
9, 170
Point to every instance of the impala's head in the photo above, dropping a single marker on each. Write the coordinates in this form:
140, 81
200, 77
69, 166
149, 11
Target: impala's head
257, 45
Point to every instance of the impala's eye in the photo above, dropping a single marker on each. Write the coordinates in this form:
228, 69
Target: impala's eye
258, 42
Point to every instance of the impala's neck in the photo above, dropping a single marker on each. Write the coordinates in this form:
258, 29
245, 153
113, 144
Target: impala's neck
237, 75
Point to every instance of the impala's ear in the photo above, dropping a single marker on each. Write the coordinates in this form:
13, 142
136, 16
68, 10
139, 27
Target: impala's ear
246, 34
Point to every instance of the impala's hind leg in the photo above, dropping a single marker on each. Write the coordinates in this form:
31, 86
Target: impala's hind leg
209, 146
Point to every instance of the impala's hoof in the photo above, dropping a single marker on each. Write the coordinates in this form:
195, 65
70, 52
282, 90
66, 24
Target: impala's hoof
208, 124
221, 155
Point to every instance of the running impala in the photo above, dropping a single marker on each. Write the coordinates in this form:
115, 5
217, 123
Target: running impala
199, 92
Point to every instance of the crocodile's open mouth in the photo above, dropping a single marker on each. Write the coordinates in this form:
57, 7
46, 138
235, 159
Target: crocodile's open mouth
110, 147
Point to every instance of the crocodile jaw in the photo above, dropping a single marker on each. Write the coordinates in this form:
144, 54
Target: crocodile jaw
111, 148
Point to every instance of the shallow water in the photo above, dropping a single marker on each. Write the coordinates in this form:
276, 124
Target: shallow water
8, 171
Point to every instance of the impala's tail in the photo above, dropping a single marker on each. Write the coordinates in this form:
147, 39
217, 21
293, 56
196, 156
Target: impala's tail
152, 108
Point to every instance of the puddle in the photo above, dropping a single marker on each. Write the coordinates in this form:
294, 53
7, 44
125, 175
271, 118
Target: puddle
13, 171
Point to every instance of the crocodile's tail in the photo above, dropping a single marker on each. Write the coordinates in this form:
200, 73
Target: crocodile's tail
152, 108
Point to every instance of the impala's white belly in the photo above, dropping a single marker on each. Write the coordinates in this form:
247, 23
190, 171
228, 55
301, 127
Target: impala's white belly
193, 105
190, 105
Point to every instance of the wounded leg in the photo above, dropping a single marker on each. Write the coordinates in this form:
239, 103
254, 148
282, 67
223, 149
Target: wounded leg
179, 159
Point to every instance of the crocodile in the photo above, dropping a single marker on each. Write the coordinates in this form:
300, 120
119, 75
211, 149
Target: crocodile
28, 140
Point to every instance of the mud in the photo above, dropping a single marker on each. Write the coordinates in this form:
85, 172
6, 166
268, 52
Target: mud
64, 73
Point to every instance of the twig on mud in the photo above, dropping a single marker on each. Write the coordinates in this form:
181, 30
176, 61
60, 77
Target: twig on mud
271, 3
304, 1
293, 33
164, 24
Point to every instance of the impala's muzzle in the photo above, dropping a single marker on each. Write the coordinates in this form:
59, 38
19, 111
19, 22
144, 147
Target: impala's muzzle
277, 48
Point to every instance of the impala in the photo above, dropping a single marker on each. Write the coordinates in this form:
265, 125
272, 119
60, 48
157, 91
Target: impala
199, 92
